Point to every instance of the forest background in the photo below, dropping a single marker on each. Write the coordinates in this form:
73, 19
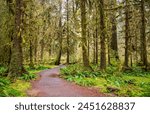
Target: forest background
103, 43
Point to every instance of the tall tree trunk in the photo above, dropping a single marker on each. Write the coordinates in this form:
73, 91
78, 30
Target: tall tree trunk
31, 64
96, 45
96, 37
84, 40
88, 45
68, 54
126, 64
16, 63
103, 37
143, 36
58, 59
114, 41
5, 55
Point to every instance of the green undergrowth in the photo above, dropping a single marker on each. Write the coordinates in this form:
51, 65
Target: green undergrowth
34, 70
112, 81
2, 71
38, 68
16, 89
22, 84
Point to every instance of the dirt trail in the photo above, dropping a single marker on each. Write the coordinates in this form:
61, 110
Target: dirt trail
51, 85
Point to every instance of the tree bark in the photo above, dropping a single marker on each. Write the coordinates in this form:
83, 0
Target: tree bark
35, 49
114, 41
58, 59
103, 37
31, 55
16, 63
42, 49
143, 36
68, 54
126, 64
84, 28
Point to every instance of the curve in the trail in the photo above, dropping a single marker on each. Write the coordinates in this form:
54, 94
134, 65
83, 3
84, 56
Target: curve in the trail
51, 85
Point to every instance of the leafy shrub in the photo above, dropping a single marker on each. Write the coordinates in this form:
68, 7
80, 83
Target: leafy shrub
71, 70
146, 89
69, 78
6, 90
136, 71
84, 82
40, 67
131, 81
2, 70
28, 77
75, 70
4, 81
80, 80
146, 92
66, 71
116, 81
111, 69
10, 92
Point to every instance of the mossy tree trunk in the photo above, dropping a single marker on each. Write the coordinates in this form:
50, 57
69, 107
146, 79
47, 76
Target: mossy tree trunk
16, 63
126, 64
143, 36
102, 36
114, 40
58, 58
68, 45
84, 39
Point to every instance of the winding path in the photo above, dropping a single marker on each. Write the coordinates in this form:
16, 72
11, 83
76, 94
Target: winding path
51, 85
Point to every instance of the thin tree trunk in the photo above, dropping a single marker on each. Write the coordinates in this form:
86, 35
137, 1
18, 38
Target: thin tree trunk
31, 55
68, 54
143, 36
35, 50
94, 49
96, 38
42, 49
88, 44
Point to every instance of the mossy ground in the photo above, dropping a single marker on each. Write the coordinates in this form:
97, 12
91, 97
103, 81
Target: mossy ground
22, 84
132, 83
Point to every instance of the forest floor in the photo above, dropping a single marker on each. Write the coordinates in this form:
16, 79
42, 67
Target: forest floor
50, 84
112, 82
46, 80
